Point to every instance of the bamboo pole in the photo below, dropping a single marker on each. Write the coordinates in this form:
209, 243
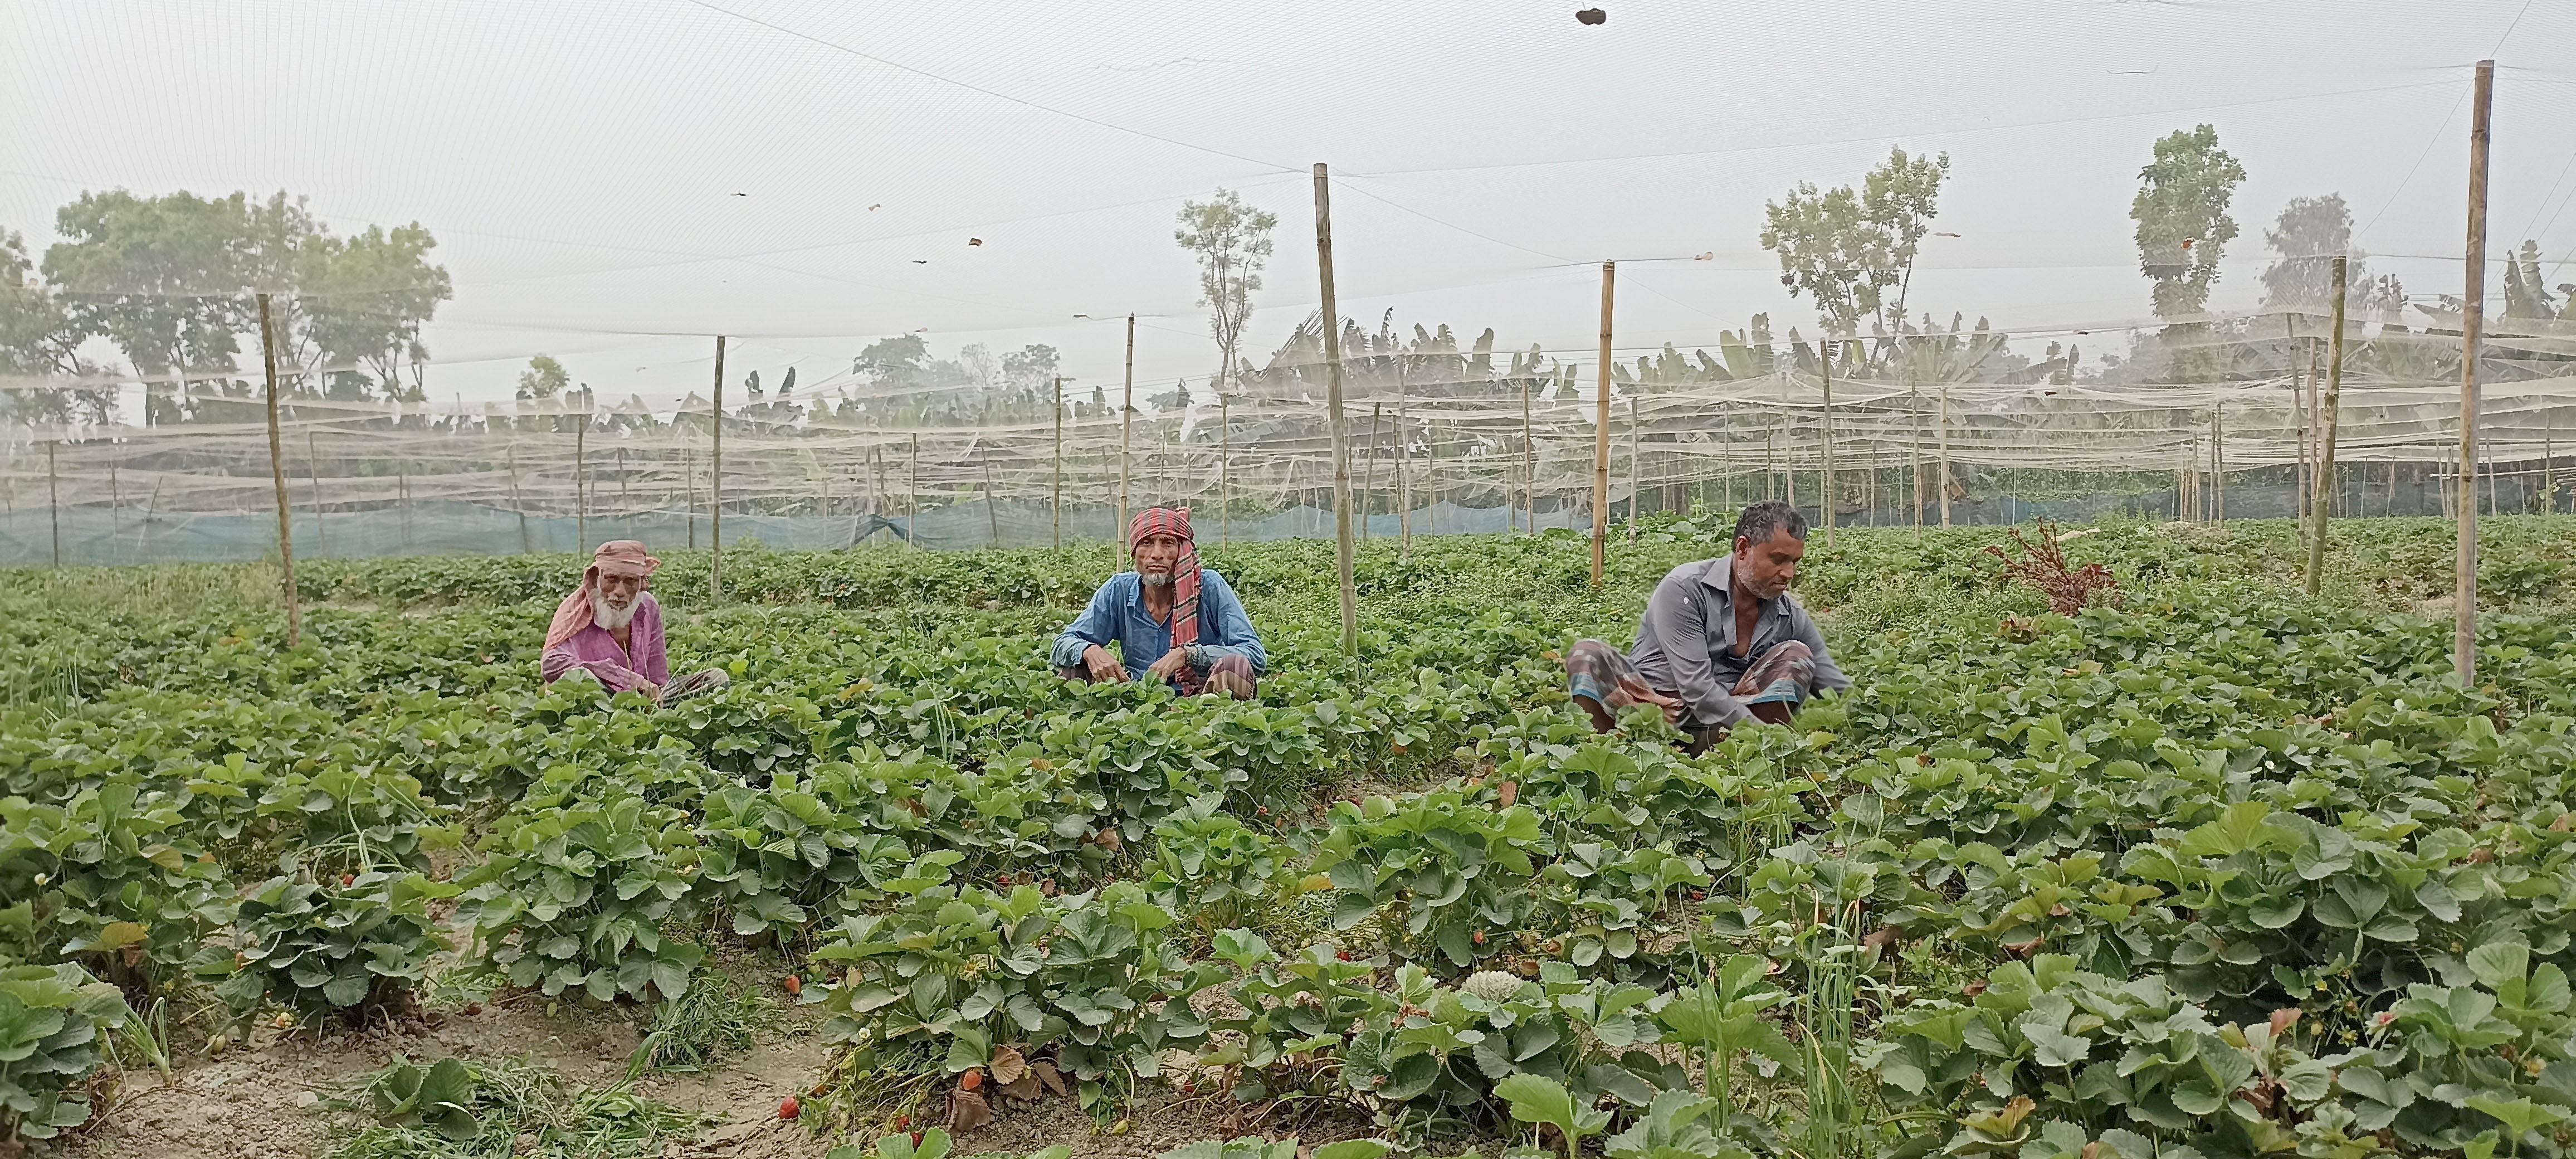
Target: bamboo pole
580, 489
54, 498
2326, 438
1826, 501
313, 475
1529, 466
912, 493
1126, 435
1333, 409
1403, 483
276, 476
992, 516
2464, 627
1368, 492
1941, 486
2218, 459
1636, 475
2301, 426
510, 456
1224, 470
1059, 460
689, 493
1601, 432
715, 484
1914, 445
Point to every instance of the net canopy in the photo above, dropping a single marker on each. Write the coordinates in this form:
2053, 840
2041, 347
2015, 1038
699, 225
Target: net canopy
995, 272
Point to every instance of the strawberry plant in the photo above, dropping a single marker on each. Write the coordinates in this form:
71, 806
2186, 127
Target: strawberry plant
1447, 870
574, 897
52, 1019
318, 948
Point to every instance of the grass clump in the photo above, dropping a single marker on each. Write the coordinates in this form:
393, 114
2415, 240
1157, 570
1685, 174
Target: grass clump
715, 1015
488, 1107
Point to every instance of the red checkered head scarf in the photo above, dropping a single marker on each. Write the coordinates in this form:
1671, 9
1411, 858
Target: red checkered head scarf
616, 557
1173, 521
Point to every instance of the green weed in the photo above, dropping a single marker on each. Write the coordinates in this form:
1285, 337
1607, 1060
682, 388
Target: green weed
716, 1016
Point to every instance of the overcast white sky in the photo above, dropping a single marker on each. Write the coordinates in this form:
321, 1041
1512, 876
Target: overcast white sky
579, 159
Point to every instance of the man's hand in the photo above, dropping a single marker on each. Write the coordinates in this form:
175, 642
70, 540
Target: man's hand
1103, 666
1171, 665
649, 690
1672, 707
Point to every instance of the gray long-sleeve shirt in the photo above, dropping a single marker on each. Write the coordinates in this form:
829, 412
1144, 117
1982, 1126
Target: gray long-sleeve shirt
1686, 641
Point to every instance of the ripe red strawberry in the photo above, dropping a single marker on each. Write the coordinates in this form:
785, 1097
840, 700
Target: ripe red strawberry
789, 1108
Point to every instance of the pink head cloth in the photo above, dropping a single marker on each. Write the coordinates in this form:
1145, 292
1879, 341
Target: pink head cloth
1174, 521
615, 557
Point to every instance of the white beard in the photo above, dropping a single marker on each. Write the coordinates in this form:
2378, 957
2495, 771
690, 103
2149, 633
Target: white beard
613, 619
1156, 579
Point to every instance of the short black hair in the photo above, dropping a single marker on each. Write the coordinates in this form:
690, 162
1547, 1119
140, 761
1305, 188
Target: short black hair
1767, 518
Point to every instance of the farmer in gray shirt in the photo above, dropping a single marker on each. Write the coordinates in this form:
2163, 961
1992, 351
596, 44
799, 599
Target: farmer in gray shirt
1721, 640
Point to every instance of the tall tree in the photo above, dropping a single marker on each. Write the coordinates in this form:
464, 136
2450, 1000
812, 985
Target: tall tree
366, 297
2305, 240
161, 277
545, 378
167, 279
1231, 240
2183, 226
1848, 248
39, 339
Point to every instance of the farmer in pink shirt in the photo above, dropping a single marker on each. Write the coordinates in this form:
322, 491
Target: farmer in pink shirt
610, 630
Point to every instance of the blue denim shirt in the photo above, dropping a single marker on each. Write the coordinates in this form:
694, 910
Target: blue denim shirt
1117, 612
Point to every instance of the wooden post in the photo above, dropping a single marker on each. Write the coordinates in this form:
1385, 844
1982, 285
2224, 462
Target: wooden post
1224, 470
1941, 486
2325, 476
1914, 420
1601, 432
715, 484
580, 488
510, 455
276, 476
2464, 627
1126, 431
912, 493
54, 498
313, 475
2548, 460
1333, 411
1368, 491
1825, 502
1059, 461
1529, 466
1403, 484
1636, 475
992, 517
2218, 460
2299, 427
689, 493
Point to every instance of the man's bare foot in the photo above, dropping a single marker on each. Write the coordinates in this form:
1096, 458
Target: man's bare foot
1602, 721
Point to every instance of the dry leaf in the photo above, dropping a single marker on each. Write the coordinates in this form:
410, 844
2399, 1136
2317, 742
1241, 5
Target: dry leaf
1046, 1072
967, 1111
1027, 1088
1508, 793
1008, 1066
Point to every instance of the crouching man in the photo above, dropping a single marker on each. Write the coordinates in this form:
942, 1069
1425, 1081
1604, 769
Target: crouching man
609, 630
1172, 619
1721, 640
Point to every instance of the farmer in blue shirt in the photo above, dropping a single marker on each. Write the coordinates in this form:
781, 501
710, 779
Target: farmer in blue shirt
1172, 619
